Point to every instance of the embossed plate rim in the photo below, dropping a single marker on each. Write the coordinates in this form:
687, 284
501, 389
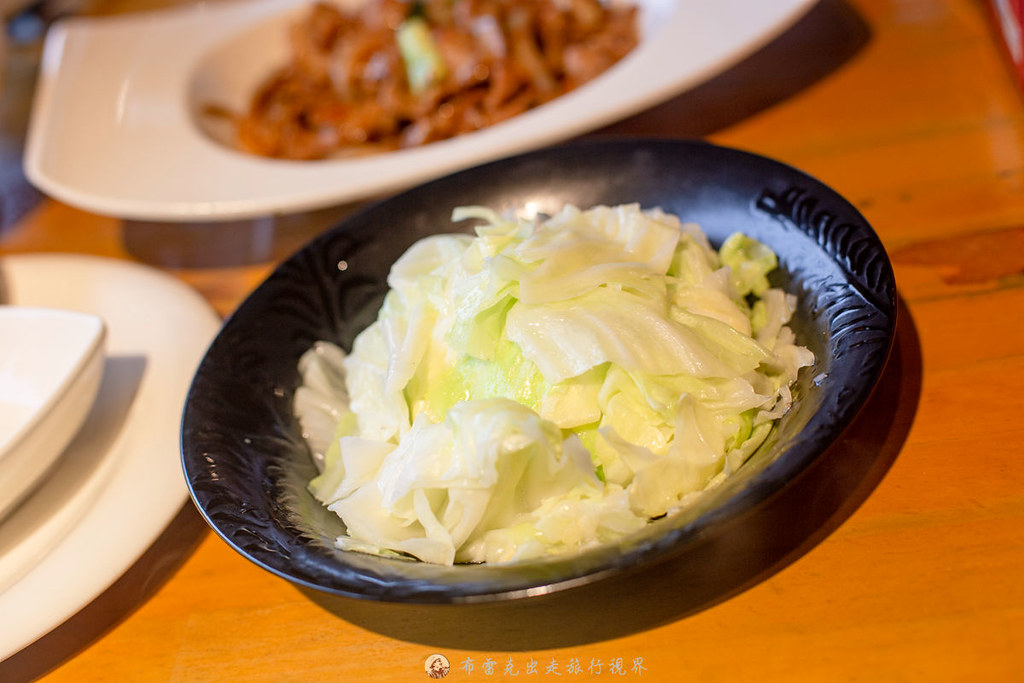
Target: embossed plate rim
826, 247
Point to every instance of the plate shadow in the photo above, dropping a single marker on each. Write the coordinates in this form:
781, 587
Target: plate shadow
749, 551
818, 44
136, 586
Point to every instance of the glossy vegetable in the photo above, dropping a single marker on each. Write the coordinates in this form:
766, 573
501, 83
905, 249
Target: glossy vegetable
548, 384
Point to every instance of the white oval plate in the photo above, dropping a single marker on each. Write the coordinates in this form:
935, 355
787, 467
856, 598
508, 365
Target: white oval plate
114, 127
119, 482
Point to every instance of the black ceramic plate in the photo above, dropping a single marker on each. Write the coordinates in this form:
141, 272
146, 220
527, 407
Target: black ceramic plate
247, 465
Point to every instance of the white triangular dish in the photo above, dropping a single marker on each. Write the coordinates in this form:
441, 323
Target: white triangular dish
51, 362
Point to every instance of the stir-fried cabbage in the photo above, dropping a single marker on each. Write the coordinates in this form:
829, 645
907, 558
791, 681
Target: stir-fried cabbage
547, 385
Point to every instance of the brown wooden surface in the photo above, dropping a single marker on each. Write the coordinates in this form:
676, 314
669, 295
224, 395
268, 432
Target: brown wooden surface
914, 573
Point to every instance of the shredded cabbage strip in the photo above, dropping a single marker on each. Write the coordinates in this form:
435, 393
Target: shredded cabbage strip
547, 385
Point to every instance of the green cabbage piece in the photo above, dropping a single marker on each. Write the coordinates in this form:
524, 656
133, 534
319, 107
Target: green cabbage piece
424, 65
548, 384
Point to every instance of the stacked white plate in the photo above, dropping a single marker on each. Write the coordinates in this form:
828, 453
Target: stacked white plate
96, 356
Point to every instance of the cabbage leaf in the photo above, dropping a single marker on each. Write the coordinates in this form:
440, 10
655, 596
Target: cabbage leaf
548, 384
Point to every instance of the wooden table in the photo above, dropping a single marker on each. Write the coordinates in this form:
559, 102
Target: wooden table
908, 108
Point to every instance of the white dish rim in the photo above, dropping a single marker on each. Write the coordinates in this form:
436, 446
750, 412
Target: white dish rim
121, 179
